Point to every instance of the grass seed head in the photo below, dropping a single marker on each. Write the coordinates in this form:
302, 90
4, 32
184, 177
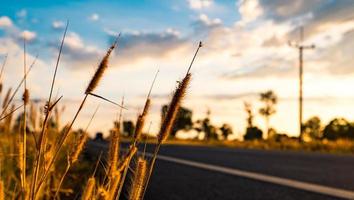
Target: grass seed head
78, 148
88, 192
2, 190
138, 184
113, 153
102, 194
127, 158
141, 120
100, 70
25, 96
114, 186
173, 109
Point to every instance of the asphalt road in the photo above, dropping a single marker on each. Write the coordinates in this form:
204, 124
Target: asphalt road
173, 180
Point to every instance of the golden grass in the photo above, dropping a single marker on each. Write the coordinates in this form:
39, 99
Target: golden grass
34, 165
2, 190
173, 109
88, 191
169, 118
138, 184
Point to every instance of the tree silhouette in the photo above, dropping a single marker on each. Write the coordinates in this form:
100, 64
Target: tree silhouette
183, 119
270, 100
226, 130
128, 128
205, 126
252, 132
338, 128
312, 128
250, 116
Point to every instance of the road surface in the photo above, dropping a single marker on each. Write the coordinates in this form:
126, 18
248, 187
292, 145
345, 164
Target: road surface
193, 172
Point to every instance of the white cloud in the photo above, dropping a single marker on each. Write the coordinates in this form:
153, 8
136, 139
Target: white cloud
28, 35
250, 10
5, 22
12, 74
74, 41
58, 24
172, 31
209, 22
77, 54
94, 17
203, 24
199, 4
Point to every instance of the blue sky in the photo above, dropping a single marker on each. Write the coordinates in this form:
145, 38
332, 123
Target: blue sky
245, 53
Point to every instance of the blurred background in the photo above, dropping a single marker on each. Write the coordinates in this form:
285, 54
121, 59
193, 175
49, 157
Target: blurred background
246, 52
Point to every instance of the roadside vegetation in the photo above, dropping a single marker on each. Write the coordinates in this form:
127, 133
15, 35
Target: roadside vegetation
42, 159
335, 137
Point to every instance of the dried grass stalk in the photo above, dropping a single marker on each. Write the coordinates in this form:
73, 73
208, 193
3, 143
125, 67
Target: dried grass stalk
138, 184
78, 148
93, 83
20, 163
114, 186
25, 97
141, 120
124, 164
100, 70
2, 190
102, 193
88, 192
113, 154
173, 109
48, 154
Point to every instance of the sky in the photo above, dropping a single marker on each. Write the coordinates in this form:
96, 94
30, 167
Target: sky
245, 52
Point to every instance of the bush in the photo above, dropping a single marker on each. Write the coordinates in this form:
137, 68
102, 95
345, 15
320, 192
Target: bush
253, 133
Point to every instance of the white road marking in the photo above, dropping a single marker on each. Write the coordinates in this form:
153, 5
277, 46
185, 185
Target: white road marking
331, 191
335, 192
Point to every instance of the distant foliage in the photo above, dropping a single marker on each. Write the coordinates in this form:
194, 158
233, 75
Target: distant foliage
339, 128
269, 99
128, 128
183, 119
204, 126
226, 130
250, 115
312, 128
253, 133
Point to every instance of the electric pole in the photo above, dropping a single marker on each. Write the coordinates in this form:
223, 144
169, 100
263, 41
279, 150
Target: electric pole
301, 48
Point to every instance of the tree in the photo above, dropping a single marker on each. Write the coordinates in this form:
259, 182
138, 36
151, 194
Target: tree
183, 119
270, 100
128, 128
205, 126
209, 130
312, 128
338, 128
250, 116
252, 132
226, 130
